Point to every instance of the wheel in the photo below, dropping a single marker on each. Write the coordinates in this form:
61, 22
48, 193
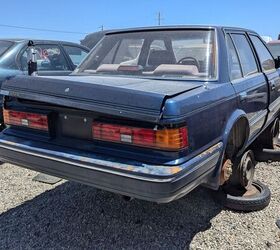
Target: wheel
243, 170
256, 197
270, 137
276, 134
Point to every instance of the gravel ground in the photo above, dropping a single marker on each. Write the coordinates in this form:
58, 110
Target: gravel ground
73, 216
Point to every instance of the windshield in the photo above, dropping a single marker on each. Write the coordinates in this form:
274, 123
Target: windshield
275, 49
176, 54
4, 45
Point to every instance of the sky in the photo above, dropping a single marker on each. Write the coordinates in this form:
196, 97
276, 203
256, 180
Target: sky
86, 16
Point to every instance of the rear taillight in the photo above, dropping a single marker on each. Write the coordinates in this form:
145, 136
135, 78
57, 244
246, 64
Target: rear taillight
26, 119
169, 139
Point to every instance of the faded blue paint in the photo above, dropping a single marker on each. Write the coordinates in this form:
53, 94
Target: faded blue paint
209, 110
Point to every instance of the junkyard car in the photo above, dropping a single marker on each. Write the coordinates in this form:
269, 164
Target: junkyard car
151, 113
53, 57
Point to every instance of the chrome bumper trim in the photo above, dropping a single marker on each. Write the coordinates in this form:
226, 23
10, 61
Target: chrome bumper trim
167, 173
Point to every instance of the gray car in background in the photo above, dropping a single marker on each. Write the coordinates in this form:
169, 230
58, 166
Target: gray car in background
53, 57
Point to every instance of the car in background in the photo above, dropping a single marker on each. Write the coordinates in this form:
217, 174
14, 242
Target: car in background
274, 47
53, 57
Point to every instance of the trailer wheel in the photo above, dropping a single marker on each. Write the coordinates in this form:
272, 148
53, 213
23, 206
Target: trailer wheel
256, 197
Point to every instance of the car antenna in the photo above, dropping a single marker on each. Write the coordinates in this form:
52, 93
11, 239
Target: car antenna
32, 63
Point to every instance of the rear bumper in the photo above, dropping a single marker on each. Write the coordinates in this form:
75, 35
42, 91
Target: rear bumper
135, 179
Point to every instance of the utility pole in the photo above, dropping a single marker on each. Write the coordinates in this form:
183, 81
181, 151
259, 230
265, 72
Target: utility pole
159, 18
102, 27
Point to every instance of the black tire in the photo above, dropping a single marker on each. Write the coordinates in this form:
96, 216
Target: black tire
250, 203
269, 138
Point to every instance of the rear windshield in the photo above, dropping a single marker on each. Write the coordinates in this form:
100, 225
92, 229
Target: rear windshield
275, 49
4, 45
175, 54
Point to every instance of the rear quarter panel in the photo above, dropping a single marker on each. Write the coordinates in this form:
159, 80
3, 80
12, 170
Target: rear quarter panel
205, 111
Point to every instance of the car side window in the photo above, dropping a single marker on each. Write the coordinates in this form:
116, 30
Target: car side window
245, 53
76, 54
266, 60
48, 57
233, 62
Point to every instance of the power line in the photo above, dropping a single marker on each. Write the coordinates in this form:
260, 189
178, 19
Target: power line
46, 30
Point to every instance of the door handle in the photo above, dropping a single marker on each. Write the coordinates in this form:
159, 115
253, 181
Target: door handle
273, 87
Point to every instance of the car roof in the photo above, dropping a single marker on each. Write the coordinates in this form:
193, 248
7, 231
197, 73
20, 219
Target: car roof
176, 27
25, 40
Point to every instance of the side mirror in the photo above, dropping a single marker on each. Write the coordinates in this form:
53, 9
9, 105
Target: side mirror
277, 62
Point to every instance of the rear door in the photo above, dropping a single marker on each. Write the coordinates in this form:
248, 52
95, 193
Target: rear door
248, 81
268, 68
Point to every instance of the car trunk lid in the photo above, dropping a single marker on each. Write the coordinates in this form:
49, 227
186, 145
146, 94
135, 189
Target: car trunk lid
134, 98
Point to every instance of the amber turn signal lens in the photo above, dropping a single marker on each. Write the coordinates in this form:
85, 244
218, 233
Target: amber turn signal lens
176, 138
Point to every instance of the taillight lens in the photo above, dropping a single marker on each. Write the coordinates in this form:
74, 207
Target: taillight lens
25, 119
169, 139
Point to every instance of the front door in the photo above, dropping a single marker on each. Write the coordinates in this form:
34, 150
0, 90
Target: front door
268, 67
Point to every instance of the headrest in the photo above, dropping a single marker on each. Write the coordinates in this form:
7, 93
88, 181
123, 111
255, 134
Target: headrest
158, 57
108, 68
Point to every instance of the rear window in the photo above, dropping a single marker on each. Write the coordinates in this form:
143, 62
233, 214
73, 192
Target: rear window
5, 45
274, 49
176, 54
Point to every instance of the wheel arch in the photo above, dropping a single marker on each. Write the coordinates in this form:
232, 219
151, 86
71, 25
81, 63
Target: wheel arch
237, 119
238, 128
